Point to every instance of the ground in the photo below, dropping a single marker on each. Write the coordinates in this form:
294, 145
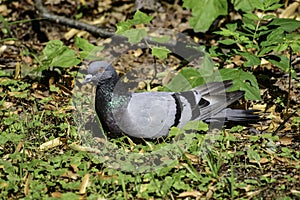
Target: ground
41, 151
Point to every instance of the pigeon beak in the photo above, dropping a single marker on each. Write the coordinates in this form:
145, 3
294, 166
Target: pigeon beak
88, 79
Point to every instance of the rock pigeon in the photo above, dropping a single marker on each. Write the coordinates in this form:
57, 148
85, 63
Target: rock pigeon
152, 114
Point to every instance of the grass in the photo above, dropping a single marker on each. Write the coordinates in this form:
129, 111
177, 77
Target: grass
238, 165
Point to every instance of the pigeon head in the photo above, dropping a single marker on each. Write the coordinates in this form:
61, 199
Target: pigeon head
100, 72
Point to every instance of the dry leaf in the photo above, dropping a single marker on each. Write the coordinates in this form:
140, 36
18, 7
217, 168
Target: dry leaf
3, 185
71, 33
209, 194
286, 160
261, 107
84, 184
193, 158
295, 192
138, 52
194, 194
74, 167
70, 174
26, 186
286, 140
261, 161
56, 194
50, 144
254, 193
264, 160
4, 11
247, 188
290, 10
19, 147
7, 105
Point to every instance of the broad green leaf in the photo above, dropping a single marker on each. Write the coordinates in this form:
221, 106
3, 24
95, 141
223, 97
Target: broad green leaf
280, 61
252, 91
196, 125
271, 16
84, 44
258, 4
264, 32
207, 69
135, 35
231, 27
140, 18
252, 60
243, 5
281, 47
273, 7
186, 79
288, 25
295, 46
227, 32
51, 49
160, 52
89, 51
293, 39
251, 16
242, 80
190, 77
205, 12
227, 41
275, 37
122, 27
247, 5
253, 155
162, 39
56, 54
65, 58
269, 3
250, 27
264, 50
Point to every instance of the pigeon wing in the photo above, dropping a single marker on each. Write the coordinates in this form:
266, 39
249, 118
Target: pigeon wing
152, 114
148, 114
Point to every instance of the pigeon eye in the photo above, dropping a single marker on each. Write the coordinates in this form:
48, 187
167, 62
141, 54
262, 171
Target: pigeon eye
101, 70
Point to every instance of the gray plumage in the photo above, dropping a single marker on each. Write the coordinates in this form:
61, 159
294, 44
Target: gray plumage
152, 114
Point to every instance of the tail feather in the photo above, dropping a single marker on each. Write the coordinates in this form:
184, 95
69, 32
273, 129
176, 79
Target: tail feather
216, 99
217, 103
235, 115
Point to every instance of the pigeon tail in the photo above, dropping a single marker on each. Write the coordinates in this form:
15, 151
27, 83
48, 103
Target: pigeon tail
235, 115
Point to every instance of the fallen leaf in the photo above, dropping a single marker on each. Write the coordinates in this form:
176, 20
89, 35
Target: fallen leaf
286, 140
26, 186
261, 161
56, 194
84, 184
295, 192
290, 11
254, 193
193, 158
190, 194
70, 174
50, 144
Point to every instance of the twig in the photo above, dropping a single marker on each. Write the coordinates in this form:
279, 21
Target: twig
181, 49
70, 22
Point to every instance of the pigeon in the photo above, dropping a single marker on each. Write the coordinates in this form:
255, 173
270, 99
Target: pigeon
152, 114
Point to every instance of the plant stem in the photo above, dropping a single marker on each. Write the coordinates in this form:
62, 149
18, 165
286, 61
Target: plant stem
290, 79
